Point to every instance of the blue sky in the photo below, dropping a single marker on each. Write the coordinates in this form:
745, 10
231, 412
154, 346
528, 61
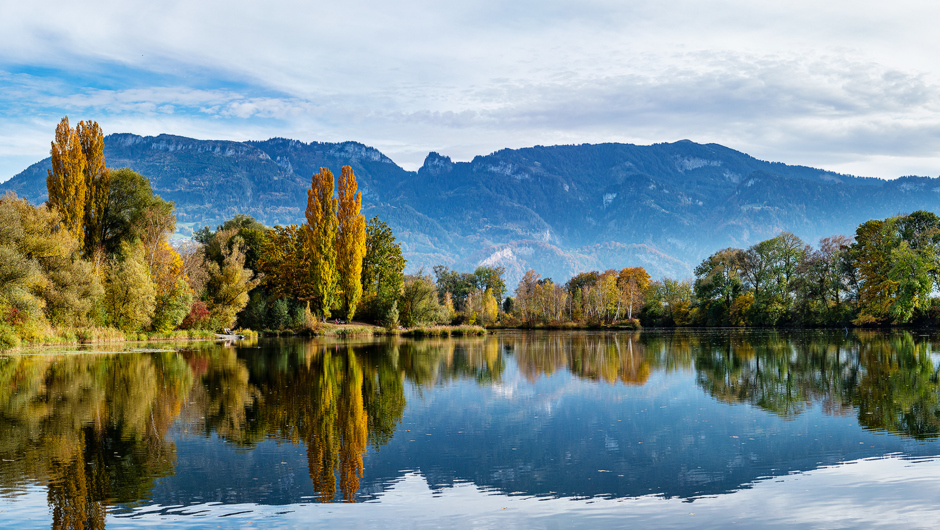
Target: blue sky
848, 86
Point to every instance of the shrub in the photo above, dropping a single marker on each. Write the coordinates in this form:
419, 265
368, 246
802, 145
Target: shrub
198, 317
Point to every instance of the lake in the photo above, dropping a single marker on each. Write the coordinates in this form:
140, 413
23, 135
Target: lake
516, 429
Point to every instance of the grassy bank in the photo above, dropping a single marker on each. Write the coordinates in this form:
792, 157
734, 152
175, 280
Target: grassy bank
444, 331
100, 335
571, 326
353, 330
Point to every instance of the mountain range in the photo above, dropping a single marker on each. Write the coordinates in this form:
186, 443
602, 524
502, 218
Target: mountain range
557, 209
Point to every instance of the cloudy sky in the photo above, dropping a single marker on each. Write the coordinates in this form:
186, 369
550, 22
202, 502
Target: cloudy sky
850, 86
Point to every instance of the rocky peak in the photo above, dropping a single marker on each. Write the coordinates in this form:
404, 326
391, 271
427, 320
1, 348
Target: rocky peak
435, 164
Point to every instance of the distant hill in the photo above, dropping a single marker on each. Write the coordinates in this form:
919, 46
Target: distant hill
558, 209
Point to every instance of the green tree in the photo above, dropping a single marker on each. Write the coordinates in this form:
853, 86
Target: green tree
757, 267
718, 282
229, 283
172, 306
279, 314
419, 303
382, 269
130, 296
458, 284
912, 272
823, 288
129, 197
488, 277
252, 233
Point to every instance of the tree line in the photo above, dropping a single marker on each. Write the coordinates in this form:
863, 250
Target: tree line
886, 274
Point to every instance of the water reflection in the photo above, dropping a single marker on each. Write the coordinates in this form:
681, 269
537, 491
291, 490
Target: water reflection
889, 381
103, 429
92, 427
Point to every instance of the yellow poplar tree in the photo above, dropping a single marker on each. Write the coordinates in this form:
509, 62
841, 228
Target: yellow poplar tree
633, 283
97, 183
285, 262
66, 179
321, 236
350, 241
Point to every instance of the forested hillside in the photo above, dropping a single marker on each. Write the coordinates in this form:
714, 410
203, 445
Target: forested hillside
559, 209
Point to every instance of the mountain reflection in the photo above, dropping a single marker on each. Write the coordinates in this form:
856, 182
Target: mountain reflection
94, 427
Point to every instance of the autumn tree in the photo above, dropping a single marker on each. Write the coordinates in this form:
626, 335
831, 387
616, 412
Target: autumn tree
130, 296
42, 273
350, 241
97, 184
871, 257
601, 301
286, 262
194, 268
321, 233
576, 287
482, 307
539, 299
633, 283
66, 180
251, 232
173, 293
153, 226
228, 284
526, 305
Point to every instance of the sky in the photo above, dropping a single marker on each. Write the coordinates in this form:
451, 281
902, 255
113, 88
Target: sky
848, 86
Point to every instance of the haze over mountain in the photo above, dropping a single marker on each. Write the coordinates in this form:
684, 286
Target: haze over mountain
557, 209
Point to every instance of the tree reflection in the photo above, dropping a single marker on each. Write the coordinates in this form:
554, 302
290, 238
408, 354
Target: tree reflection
609, 357
91, 426
888, 380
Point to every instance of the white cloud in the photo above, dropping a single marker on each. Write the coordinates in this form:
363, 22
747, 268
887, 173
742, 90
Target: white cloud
840, 85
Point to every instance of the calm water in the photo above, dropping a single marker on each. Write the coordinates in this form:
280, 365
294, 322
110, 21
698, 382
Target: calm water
515, 429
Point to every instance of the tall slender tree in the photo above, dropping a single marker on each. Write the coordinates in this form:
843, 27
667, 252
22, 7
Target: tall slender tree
350, 241
66, 179
97, 184
321, 234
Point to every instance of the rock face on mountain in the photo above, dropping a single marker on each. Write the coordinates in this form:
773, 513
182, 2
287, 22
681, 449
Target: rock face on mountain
558, 209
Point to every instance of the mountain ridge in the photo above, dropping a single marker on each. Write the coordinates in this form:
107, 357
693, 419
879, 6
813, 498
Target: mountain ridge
558, 209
